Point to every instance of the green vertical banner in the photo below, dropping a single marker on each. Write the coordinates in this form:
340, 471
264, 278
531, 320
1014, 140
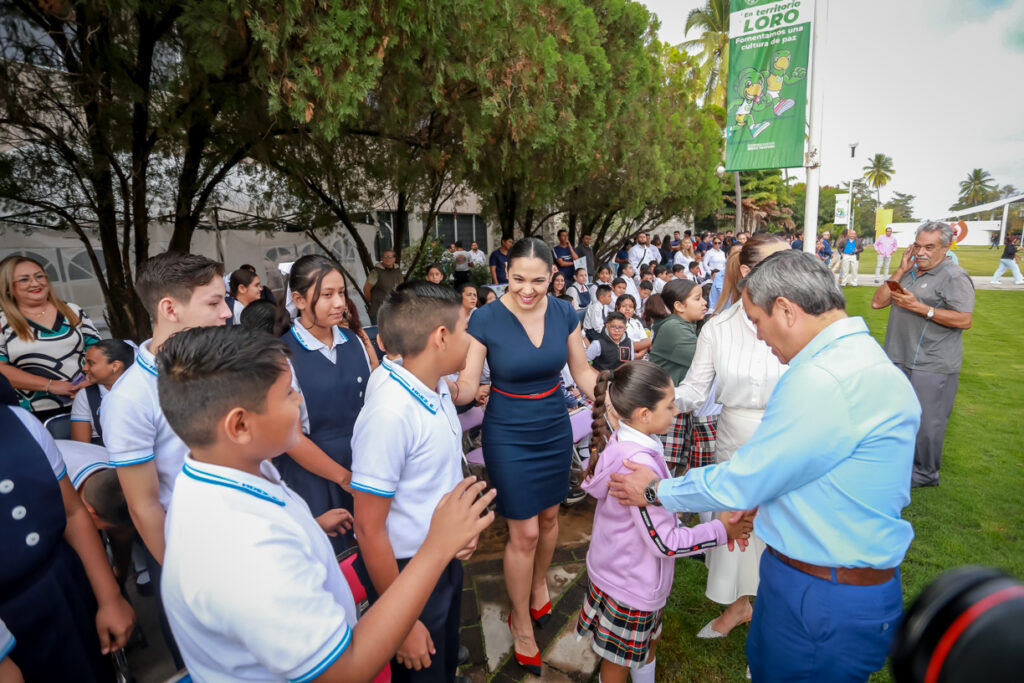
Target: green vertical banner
769, 49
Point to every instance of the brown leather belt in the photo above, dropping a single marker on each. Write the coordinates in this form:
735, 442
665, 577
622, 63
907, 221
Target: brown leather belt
852, 576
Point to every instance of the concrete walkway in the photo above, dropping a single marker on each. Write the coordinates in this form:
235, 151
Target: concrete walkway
980, 282
485, 608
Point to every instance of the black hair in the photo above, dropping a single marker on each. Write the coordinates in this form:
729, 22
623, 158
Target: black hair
618, 281
246, 266
241, 277
116, 350
577, 271
633, 385
174, 275
412, 311
458, 244
565, 282
481, 296
531, 247
623, 298
646, 285
678, 268
265, 316
614, 315
308, 273
565, 297
676, 291
601, 291
654, 310
604, 268
102, 491
660, 270
559, 233
694, 263
464, 286
205, 372
432, 266
645, 268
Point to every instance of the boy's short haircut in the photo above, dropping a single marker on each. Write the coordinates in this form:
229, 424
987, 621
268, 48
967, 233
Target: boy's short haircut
694, 265
678, 268
102, 491
614, 315
205, 372
174, 275
646, 286
412, 311
660, 270
618, 281
602, 290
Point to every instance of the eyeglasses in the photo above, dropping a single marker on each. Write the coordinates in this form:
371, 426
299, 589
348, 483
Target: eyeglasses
28, 279
716, 243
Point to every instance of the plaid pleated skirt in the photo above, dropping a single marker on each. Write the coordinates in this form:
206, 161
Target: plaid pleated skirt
618, 633
690, 441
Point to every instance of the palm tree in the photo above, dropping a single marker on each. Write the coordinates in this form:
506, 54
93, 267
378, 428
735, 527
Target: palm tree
712, 51
977, 188
878, 173
711, 48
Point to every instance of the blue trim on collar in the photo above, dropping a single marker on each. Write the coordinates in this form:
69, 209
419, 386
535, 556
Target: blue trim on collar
414, 392
210, 478
299, 339
146, 365
338, 335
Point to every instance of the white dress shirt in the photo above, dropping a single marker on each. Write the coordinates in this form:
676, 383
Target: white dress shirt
640, 254
714, 259
728, 349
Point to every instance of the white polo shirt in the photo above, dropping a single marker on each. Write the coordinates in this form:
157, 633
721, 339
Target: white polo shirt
134, 427
381, 375
407, 445
250, 582
82, 460
80, 411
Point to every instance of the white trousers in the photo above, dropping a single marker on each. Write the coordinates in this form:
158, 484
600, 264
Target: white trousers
1008, 264
878, 265
848, 270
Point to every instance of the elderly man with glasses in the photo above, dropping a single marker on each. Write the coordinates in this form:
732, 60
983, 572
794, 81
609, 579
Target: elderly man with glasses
932, 301
385, 276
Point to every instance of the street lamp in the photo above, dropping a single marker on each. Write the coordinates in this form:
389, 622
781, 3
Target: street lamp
853, 153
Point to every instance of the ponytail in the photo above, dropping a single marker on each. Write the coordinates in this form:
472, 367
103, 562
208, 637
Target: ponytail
730, 282
599, 427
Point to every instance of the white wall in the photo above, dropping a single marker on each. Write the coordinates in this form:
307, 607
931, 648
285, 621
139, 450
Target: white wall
979, 233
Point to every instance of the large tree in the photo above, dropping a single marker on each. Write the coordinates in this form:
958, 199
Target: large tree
878, 172
977, 188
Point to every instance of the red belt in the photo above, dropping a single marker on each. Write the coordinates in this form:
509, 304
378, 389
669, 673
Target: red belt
543, 394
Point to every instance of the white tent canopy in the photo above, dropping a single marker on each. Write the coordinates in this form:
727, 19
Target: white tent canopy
991, 206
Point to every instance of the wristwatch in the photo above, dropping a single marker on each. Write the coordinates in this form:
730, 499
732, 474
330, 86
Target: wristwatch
931, 312
651, 492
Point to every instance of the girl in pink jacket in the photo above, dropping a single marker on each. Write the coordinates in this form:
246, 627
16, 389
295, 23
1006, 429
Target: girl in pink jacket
632, 550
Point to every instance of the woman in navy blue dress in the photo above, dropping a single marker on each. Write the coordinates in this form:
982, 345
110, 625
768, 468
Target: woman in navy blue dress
526, 338
331, 369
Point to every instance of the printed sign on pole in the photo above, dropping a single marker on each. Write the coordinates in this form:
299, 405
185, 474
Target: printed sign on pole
842, 209
769, 48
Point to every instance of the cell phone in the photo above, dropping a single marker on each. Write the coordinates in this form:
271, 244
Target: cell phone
78, 378
894, 286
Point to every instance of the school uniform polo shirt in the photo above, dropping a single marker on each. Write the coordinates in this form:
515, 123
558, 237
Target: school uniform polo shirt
250, 582
82, 460
134, 427
80, 410
381, 375
407, 445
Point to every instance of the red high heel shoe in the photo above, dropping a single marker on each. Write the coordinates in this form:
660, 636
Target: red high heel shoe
531, 664
541, 616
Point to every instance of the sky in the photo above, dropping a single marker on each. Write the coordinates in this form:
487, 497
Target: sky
938, 85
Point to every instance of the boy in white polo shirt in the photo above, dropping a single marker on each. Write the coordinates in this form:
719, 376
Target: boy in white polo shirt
179, 291
252, 588
406, 452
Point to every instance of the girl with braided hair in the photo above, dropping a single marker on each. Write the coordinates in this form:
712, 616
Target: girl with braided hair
632, 549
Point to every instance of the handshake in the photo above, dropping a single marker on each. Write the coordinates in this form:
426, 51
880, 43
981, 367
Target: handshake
738, 525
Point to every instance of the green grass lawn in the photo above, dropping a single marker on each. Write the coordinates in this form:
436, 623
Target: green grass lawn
975, 516
975, 260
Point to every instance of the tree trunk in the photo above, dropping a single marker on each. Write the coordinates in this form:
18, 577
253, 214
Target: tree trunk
572, 228
401, 227
739, 202
505, 204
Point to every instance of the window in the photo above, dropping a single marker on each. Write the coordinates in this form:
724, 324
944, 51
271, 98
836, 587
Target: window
80, 267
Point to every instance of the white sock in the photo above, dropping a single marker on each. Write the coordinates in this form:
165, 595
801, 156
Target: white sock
645, 674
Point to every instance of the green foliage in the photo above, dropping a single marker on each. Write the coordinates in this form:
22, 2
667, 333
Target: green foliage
902, 206
878, 173
711, 48
433, 254
978, 188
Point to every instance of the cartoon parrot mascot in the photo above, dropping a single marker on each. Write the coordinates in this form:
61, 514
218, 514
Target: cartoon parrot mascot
750, 85
779, 74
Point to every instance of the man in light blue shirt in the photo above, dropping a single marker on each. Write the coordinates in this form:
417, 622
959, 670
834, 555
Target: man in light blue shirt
829, 471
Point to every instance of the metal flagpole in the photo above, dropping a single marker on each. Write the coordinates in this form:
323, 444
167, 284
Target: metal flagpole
812, 159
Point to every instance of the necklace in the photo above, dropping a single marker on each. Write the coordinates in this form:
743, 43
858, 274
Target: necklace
36, 315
